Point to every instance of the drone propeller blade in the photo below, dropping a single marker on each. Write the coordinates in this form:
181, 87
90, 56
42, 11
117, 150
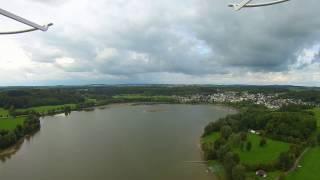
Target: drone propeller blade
266, 3
241, 5
22, 20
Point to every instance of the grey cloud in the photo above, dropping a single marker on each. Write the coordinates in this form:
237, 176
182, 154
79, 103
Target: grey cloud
193, 37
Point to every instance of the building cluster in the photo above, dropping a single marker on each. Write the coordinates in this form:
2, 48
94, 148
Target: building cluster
270, 101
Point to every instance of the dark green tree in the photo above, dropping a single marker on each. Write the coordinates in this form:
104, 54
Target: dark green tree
286, 160
239, 172
263, 142
248, 146
313, 141
230, 160
225, 131
222, 151
12, 111
242, 146
243, 136
218, 143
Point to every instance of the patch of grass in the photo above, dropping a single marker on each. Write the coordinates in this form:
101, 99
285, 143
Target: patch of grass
317, 114
310, 166
262, 155
257, 155
45, 109
210, 138
11, 123
3, 113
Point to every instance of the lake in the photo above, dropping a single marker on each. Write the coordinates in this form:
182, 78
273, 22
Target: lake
120, 142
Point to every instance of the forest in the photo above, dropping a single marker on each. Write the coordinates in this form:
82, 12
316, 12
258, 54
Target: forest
25, 97
292, 128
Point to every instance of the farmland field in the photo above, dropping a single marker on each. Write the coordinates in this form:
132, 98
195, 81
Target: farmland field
10, 123
45, 109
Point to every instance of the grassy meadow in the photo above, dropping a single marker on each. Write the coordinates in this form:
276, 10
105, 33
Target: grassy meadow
317, 114
266, 154
310, 169
3, 113
45, 109
257, 155
210, 138
311, 160
10, 123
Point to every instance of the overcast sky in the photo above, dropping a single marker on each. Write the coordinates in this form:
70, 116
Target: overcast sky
167, 41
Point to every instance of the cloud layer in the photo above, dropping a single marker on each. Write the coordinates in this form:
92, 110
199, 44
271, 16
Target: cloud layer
146, 41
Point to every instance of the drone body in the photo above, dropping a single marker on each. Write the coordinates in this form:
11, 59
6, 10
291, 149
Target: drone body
245, 4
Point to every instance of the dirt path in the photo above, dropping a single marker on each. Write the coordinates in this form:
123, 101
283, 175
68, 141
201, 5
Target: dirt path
296, 163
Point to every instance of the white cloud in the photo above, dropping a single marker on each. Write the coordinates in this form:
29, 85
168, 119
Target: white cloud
147, 41
107, 53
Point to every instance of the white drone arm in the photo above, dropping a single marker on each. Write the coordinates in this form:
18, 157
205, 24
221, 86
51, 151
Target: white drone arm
24, 21
241, 5
266, 3
245, 3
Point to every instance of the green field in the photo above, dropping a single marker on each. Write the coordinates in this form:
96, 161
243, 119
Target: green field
210, 138
3, 112
45, 109
310, 162
90, 100
310, 169
266, 154
257, 155
317, 114
10, 123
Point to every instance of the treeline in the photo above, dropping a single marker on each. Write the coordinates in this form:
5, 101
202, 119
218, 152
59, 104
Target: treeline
30, 126
65, 109
289, 126
307, 96
138, 98
150, 90
25, 98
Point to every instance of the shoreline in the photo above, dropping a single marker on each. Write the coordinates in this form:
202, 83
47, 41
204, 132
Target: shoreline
6, 153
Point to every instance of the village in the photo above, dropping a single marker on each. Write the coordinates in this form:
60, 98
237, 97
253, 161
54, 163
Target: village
270, 101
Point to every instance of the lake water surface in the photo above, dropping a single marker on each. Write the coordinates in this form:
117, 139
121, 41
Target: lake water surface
121, 142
